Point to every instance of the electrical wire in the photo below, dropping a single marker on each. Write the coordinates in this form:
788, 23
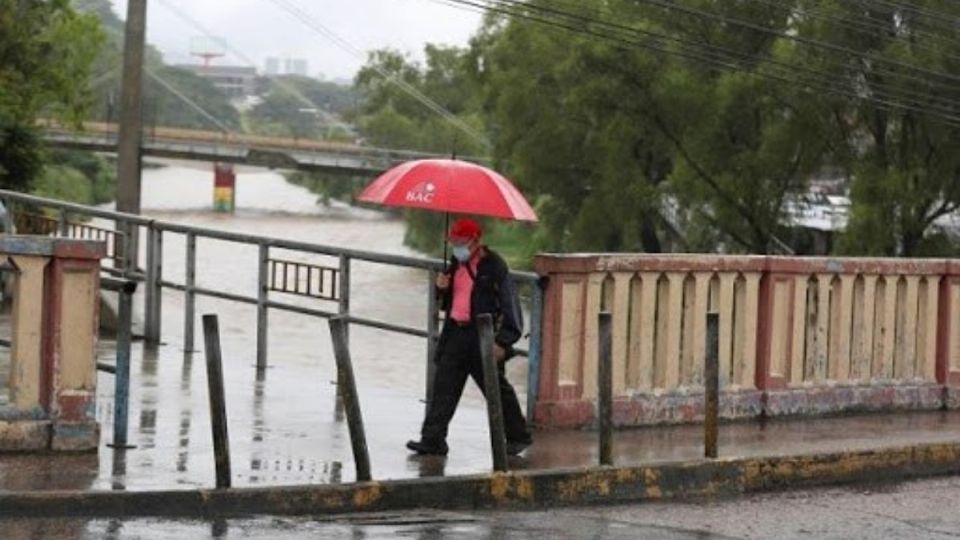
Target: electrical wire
192, 104
867, 26
944, 105
97, 80
713, 17
883, 98
281, 83
305, 18
921, 13
916, 97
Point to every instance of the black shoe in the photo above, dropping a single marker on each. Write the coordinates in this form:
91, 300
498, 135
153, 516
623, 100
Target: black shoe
428, 448
515, 447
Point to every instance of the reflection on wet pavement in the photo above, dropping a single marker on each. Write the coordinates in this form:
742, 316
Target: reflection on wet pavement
412, 525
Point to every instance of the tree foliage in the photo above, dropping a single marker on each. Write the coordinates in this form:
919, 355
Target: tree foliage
161, 106
391, 117
700, 123
46, 50
904, 162
297, 106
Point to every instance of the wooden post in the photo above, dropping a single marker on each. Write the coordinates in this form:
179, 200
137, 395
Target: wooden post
347, 387
605, 390
218, 409
491, 385
711, 381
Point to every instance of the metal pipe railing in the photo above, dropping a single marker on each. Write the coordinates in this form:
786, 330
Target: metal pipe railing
121, 369
229, 236
262, 270
128, 224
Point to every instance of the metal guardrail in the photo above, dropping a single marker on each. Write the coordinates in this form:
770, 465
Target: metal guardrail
127, 235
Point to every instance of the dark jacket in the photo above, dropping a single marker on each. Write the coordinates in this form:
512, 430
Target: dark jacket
494, 293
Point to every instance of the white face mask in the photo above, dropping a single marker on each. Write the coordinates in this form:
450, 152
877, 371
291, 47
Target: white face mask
462, 253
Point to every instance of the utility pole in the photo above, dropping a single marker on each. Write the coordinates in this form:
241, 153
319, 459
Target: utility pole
131, 120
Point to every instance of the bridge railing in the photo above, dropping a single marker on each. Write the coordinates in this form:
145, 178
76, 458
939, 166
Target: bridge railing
287, 267
797, 335
277, 152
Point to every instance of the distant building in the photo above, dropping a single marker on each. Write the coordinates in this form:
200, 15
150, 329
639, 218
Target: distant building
285, 66
272, 66
296, 66
234, 81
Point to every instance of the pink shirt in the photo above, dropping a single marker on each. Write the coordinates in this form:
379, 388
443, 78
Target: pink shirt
463, 290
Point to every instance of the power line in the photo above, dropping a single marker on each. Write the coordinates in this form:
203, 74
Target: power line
721, 193
329, 35
672, 6
708, 55
866, 25
289, 88
163, 83
767, 60
944, 105
103, 76
192, 104
916, 10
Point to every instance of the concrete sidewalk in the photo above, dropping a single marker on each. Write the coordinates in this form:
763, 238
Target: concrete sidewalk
170, 464
286, 430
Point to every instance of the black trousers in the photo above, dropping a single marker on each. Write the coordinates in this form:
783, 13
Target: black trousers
457, 357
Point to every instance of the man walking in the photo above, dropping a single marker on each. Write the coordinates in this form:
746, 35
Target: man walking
478, 282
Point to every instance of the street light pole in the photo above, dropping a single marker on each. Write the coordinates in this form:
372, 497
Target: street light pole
131, 119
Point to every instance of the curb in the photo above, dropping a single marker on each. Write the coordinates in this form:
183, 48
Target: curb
509, 491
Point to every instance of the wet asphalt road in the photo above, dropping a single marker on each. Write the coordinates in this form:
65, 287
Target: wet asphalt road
918, 509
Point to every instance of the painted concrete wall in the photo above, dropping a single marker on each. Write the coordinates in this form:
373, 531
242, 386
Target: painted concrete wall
797, 335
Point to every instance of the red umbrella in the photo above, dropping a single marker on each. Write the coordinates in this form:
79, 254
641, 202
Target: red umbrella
449, 185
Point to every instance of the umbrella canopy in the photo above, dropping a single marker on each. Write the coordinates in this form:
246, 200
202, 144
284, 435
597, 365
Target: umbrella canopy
449, 185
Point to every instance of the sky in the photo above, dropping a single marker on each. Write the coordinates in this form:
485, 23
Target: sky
262, 28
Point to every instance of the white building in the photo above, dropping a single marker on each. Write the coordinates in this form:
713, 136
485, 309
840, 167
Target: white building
234, 81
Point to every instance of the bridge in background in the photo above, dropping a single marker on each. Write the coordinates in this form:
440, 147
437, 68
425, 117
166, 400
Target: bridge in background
229, 148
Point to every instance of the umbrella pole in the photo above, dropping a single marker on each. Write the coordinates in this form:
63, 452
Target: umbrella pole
446, 223
446, 227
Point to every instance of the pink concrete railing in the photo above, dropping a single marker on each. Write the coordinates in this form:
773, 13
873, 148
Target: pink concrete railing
797, 335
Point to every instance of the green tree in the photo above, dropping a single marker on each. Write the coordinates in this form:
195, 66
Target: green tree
390, 116
296, 106
46, 50
626, 146
62, 182
904, 161
572, 130
629, 143
162, 107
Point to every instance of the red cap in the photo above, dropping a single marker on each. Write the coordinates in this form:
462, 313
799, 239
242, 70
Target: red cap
465, 229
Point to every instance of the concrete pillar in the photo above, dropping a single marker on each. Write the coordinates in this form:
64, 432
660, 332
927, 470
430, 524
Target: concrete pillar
26, 334
53, 351
74, 293
224, 188
948, 335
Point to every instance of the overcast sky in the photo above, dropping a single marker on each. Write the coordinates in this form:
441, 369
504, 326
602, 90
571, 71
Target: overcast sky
261, 28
